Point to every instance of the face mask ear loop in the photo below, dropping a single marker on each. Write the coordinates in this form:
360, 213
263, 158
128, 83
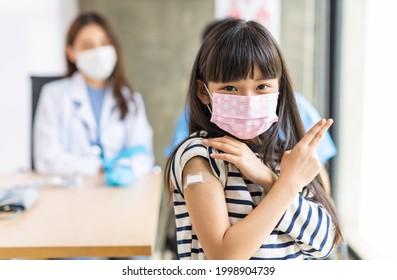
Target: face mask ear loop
209, 108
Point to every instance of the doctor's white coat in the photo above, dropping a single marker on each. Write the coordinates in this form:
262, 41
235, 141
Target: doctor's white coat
65, 130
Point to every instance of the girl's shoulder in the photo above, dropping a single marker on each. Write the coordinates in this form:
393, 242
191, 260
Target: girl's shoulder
193, 147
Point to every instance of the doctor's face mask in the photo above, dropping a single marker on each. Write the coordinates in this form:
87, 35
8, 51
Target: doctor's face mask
97, 63
245, 117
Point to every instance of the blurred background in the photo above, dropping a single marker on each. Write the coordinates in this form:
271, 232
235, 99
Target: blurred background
341, 54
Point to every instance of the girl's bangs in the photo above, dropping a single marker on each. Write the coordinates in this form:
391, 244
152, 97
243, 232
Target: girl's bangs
234, 55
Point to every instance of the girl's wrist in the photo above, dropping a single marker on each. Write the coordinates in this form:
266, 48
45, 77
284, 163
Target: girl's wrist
289, 184
268, 180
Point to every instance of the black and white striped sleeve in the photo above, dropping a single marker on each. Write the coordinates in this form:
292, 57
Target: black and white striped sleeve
195, 148
310, 225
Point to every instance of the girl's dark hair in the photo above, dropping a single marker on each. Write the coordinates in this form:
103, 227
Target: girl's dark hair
229, 53
118, 76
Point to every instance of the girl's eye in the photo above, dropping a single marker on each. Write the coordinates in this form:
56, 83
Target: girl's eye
262, 87
230, 88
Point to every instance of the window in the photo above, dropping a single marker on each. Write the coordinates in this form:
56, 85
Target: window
366, 162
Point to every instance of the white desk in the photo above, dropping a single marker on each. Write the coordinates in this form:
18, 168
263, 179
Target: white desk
88, 220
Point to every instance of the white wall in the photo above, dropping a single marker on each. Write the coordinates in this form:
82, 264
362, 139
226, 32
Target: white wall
32, 43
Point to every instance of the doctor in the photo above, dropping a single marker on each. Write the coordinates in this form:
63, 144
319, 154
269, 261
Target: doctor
92, 115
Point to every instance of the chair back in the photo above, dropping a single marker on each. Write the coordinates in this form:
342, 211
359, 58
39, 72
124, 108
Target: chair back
37, 84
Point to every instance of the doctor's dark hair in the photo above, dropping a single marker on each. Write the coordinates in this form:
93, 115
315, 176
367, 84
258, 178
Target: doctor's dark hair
230, 52
118, 77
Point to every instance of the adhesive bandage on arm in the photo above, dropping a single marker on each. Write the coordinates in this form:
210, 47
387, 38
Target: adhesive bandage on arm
198, 178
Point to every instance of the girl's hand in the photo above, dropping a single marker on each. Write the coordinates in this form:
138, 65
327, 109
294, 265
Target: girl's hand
300, 165
244, 159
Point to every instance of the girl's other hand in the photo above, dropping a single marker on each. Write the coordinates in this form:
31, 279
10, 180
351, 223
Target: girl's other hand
300, 165
244, 159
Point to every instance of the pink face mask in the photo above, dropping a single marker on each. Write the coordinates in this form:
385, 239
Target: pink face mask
245, 117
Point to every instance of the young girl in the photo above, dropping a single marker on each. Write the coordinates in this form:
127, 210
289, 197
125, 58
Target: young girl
238, 191
92, 114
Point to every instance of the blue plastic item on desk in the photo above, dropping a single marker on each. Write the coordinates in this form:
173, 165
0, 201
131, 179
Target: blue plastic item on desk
121, 175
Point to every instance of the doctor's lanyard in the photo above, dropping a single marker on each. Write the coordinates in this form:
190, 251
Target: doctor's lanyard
96, 149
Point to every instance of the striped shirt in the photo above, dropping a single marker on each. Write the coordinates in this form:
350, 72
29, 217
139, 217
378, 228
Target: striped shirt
305, 231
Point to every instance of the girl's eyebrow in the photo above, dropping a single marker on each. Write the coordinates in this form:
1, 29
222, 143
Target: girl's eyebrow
263, 78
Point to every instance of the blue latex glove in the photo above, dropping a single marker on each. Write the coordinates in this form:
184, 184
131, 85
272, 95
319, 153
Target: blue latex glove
128, 152
119, 176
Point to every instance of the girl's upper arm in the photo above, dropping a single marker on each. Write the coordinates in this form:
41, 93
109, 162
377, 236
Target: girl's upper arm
206, 206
